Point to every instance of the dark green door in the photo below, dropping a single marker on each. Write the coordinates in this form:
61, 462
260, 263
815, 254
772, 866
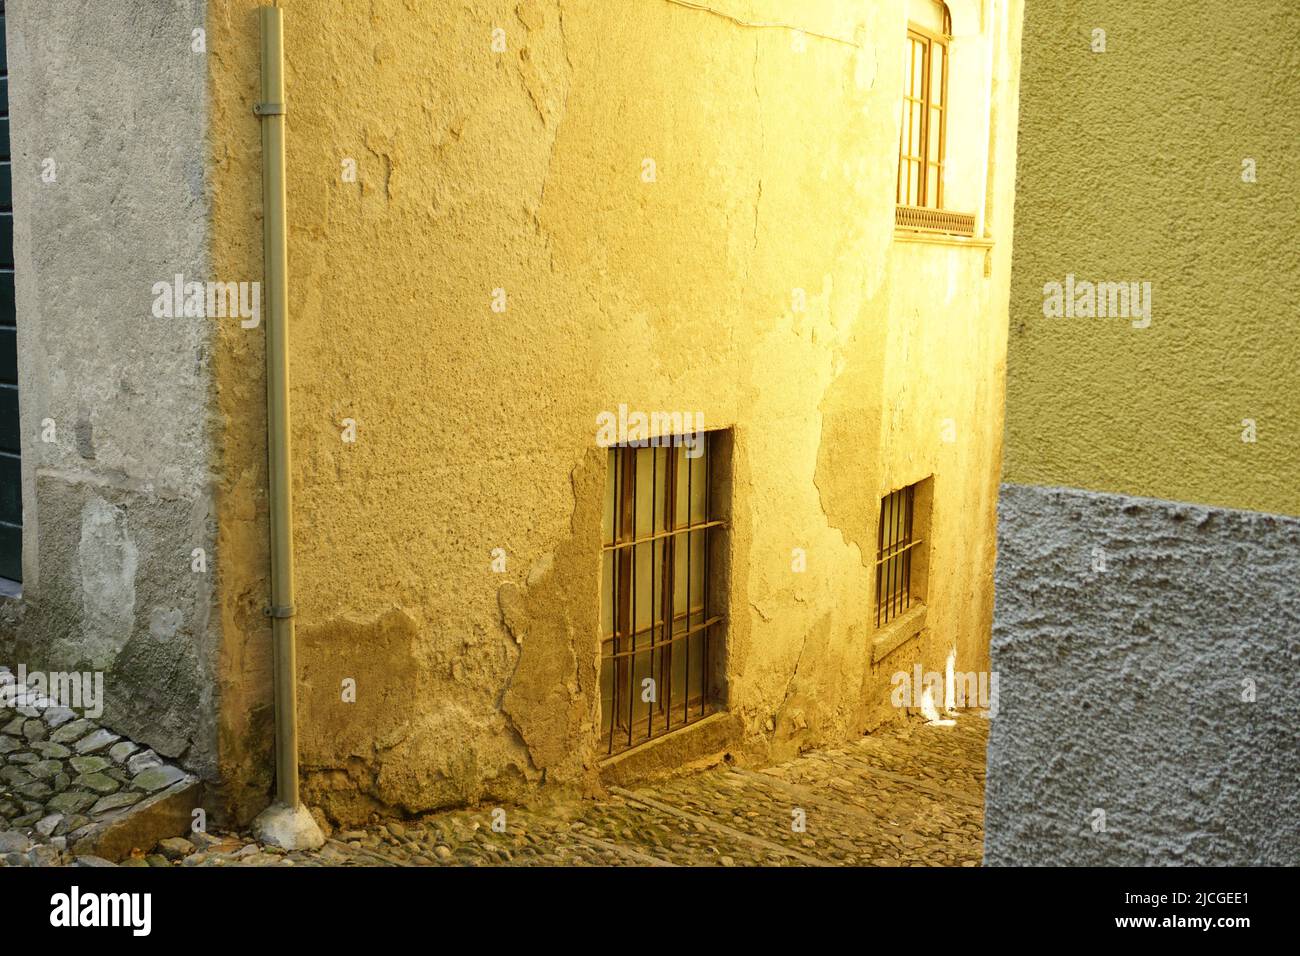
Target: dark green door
11, 494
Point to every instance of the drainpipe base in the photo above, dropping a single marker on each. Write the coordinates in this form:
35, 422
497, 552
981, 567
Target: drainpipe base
291, 828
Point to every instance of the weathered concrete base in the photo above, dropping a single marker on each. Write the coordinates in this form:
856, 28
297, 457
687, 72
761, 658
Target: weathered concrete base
1147, 652
291, 828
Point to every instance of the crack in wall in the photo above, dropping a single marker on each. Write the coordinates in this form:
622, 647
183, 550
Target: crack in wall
755, 25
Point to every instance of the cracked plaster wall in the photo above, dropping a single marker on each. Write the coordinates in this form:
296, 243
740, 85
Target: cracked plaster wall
522, 171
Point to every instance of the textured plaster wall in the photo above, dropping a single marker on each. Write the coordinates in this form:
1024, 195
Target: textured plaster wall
522, 171
1122, 690
1130, 634
1132, 170
114, 97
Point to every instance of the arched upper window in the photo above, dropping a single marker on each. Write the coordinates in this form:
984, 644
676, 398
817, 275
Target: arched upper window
922, 152
931, 15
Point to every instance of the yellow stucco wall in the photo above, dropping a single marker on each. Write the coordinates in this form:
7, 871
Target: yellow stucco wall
476, 430
1132, 171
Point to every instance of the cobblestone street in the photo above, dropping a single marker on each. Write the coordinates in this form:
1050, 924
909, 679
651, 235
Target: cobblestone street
910, 795
65, 780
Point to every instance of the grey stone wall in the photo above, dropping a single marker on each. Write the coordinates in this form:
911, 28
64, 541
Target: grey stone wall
1127, 633
112, 98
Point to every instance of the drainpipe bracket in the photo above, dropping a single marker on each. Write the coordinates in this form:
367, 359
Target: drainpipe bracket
268, 109
280, 611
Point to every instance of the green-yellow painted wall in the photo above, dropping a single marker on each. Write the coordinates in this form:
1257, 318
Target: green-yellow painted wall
1131, 170
476, 430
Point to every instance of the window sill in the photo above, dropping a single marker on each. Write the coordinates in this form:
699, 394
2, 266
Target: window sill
665, 755
898, 632
942, 239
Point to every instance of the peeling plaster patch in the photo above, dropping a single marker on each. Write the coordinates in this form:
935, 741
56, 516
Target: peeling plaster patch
530, 14
413, 738
164, 622
108, 559
540, 569
85, 436
540, 80
542, 692
346, 744
541, 83
383, 148
552, 696
379, 657
167, 703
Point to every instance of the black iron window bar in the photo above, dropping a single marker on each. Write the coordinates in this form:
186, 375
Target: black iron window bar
673, 635
894, 547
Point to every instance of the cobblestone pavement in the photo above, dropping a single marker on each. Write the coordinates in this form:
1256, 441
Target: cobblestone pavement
910, 795
63, 776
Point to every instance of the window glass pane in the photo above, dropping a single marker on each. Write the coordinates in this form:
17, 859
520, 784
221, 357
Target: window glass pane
662, 459
699, 540
659, 550
936, 125
699, 473
939, 55
607, 519
681, 552
640, 671
677, 659
607, 595
646, 505
682, 503
695, 648
606, 692
643, 576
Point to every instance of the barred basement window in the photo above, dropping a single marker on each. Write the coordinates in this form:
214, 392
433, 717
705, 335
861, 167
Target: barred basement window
896, 545
661, 626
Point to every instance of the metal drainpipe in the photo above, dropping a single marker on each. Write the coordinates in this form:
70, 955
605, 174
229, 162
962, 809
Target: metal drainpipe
286, 823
